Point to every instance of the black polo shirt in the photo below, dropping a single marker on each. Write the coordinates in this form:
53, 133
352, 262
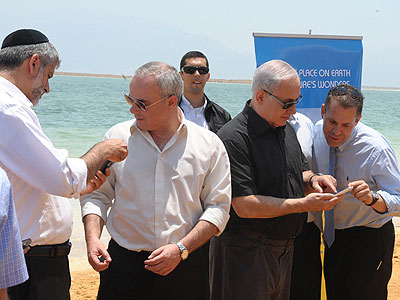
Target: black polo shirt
264, 161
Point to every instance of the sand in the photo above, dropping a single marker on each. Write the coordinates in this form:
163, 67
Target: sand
85, 280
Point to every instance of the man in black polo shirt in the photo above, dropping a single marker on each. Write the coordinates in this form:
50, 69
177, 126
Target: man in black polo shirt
252, 259
194, 102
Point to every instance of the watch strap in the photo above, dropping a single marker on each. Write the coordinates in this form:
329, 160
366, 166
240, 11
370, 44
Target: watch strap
375, 198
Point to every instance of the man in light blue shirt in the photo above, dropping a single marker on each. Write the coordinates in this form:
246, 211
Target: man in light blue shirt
358, 265
12, 262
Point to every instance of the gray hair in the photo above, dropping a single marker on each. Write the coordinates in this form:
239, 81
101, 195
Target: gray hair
270, 74
168, 78
13, 57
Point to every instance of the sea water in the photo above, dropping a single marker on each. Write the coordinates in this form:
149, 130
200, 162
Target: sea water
79, 110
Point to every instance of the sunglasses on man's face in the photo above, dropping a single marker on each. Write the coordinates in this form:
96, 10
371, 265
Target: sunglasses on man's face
140, 103
285, 105
192, 69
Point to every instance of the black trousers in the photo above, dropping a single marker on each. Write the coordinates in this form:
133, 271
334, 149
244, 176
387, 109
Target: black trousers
126, 277
307, 269
247, 268
49, 279
357, 266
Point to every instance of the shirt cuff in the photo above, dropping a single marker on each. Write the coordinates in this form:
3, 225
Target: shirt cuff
79, 170
94, 207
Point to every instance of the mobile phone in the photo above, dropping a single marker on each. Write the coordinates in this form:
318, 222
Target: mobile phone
101, 258
26, 243
107, 164
342, 192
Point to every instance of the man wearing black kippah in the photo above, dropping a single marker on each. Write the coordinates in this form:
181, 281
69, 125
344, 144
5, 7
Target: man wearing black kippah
40, 174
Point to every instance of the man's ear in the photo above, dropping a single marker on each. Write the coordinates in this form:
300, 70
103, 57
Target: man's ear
172, 101
260, 96
34, 64
322, 110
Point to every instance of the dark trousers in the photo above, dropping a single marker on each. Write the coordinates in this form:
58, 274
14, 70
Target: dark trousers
49, 279
357, 266
126, 277
306, 270
247, 268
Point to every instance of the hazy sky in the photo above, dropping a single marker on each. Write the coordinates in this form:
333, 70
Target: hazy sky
115, 37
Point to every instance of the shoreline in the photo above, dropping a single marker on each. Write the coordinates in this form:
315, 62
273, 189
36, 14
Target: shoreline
215, 80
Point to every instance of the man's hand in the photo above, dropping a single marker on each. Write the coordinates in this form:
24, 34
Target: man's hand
116, 148
95, 250
361, 191
95, 182
163, 260
319, 202
324, 184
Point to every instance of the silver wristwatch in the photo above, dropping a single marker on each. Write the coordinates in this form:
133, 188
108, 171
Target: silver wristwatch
183, 249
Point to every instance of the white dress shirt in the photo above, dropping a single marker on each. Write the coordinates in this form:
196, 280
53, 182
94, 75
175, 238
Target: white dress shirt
368, 156
36, 171
304, 128
196, 115
157, 197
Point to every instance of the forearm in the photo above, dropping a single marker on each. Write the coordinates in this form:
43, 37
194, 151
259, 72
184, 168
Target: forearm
113, 149
199, 235
258, 206
94, 158
93, 225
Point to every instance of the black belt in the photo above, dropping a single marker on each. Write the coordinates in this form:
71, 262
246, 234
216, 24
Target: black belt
50, 250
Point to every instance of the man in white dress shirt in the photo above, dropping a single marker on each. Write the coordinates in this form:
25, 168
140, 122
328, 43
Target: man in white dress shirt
38, 171
167, 199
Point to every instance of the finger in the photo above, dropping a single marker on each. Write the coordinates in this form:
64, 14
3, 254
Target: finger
154, 261
101, 177
317, 188
105, 254
155, 253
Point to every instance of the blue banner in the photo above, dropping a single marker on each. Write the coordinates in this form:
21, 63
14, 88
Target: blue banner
322, 62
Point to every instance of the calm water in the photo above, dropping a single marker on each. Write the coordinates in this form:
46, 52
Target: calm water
79, 110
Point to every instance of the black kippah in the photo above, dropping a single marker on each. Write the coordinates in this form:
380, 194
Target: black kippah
24, 37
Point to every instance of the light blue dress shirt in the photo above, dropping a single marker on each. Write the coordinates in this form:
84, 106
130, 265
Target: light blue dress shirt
12, 262
196, 115
368, 156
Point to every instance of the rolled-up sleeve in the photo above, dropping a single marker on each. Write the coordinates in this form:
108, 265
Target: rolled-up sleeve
216, 193
387, 177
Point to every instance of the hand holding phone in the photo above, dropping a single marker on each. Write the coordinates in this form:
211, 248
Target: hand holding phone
344, 191
106, 165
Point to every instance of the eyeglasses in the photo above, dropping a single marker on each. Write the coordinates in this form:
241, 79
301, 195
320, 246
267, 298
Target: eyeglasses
192, 69
343, 90
140, 103
287, 104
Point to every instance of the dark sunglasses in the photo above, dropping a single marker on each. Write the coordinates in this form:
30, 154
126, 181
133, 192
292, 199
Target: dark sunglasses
343, 90
285, 105
140, 103
192, 69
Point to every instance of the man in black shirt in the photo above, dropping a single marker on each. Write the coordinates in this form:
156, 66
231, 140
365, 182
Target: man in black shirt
194, 102
252, 259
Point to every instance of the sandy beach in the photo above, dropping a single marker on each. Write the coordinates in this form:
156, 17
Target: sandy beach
85, 280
